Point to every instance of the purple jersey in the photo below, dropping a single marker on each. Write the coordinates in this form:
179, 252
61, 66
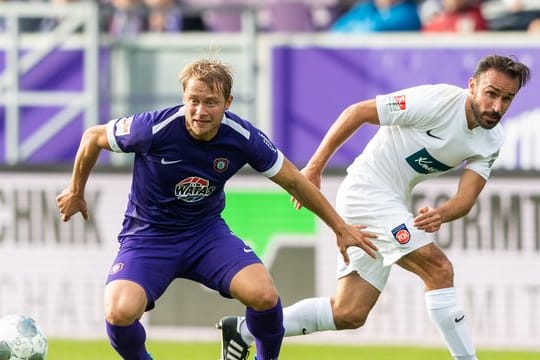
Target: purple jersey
177, 180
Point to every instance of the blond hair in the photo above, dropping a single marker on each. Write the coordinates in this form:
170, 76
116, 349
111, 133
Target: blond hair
214, 73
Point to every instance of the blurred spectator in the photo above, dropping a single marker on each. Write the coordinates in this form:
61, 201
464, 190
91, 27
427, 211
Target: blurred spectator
340, 7
126, 19
515, 15
534, 26
325, 13
192, 19
164, 16
379, 15
169, 16
457, 16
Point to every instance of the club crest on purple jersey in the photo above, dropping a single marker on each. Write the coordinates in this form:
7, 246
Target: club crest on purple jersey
116, 268
193, 189
221, 164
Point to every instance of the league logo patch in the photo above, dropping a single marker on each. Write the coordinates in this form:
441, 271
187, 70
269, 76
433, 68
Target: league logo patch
221, 165
123, 126
116, 268
401, 234
397, 103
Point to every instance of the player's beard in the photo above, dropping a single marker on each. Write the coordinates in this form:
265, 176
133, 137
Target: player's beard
479, 116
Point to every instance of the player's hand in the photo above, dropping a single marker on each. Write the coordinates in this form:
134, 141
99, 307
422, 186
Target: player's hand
69, 204
356, 235
314, 177
428, 219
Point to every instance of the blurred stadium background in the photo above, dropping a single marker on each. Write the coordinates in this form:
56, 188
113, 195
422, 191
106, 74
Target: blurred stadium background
292, 84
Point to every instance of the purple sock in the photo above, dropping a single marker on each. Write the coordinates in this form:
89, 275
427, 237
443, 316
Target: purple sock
267, 329
128, 341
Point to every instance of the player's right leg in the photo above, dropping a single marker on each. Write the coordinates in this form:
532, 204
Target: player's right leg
125, 302
134, 282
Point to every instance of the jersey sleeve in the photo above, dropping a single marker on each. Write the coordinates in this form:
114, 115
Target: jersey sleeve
411, 107
482, 165
130, 134
263, 155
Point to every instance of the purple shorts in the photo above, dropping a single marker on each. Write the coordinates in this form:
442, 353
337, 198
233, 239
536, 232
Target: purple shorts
210, 255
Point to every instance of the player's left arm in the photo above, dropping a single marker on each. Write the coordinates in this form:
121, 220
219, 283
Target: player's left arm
290, 178
470, 185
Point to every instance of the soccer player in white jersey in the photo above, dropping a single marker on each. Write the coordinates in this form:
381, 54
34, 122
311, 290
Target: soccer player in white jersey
173, 227
425, 131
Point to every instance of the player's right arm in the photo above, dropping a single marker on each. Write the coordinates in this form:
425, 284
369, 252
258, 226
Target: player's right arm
470, 186
307, 194
347, 123
71, 200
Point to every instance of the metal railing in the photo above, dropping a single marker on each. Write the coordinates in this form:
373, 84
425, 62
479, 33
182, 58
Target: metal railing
79, 29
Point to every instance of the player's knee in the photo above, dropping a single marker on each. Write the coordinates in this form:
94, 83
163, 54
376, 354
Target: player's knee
349, 319
122, 313
125, 302
264, 298
443, 275
119, 317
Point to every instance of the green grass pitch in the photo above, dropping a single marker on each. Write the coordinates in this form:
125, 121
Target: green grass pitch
161, 350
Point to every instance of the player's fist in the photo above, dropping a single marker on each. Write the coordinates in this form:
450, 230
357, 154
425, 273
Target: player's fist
69, 204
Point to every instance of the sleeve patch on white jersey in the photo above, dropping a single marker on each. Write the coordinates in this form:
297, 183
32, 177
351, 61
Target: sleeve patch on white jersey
396, 103
123, 126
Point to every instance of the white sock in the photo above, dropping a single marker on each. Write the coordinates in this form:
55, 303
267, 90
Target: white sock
451, 322
304, 317
308, 316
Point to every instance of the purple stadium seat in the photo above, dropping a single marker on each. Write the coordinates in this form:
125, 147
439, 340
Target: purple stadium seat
220, 15
276, 15
289, 16
223, 21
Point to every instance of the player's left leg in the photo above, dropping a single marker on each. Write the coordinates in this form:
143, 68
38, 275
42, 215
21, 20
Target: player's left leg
223, 262
254, 287
431, 264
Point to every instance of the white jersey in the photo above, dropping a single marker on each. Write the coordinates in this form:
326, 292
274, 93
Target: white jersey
423, 134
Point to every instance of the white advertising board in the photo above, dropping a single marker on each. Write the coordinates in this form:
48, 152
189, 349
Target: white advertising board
55, 271
495, 251
51, 270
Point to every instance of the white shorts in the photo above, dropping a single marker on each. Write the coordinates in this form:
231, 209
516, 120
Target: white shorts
384, 214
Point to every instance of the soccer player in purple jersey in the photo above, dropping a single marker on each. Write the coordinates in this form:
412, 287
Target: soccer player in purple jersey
173, 226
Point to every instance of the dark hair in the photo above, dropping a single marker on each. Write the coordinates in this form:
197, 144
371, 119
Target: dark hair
215, 74
505, 64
